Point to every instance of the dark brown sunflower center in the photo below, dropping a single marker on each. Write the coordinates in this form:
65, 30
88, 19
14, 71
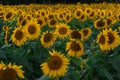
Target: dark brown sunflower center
82, 17
85, 32
32, 29
92, 14
40, 21
53, 22
75, 35
48, 37
8, 74
43, 13
28, 17
67, 17
88, 11
62, 30
8, 15
60, 15
75, 46
109, 21
100, 23
54, 62
51, 16
19, 35
23, 23
102, 39
111, 38
78, 13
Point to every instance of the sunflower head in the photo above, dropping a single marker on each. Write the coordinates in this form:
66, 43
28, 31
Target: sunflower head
56, 65
32, 30
78, 13
18, 37
100, 24
62, 30
86, 33
10, 72
47, 39
75, 34
8, 16
74, 48
52, 22
67, 17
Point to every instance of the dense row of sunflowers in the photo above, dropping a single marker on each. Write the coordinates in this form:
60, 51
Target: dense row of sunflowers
67, 32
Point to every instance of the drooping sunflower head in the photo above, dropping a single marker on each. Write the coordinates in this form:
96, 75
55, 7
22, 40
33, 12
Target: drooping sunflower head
100, 24
113, 38
109, 21
62, 30
48, 39
18, 37
74, 48
102, 40
24, 22
56, 65
75, 34
83, 17
32, 30
86, 33
20, 18
8, 16
10, 72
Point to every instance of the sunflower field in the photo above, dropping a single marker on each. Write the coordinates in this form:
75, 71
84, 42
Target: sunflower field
60, 42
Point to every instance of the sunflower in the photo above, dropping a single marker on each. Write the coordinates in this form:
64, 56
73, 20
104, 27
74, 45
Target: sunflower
102, 13
100, 24
62, 30
43, 13
51, 15
60, 16
8, 16
18, 37
86, 33
113, 38
24, 22
56, 66
92, 15
67, 17
102, 40
75, 34
41, 22
75, 48
1, 14
32, 30
47, 39
10, 72
83, 17
110, 21
19, 19
52, 22
78, 13
29, 17
88, 11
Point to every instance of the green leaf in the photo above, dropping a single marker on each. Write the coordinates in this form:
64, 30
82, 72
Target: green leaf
105, 73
